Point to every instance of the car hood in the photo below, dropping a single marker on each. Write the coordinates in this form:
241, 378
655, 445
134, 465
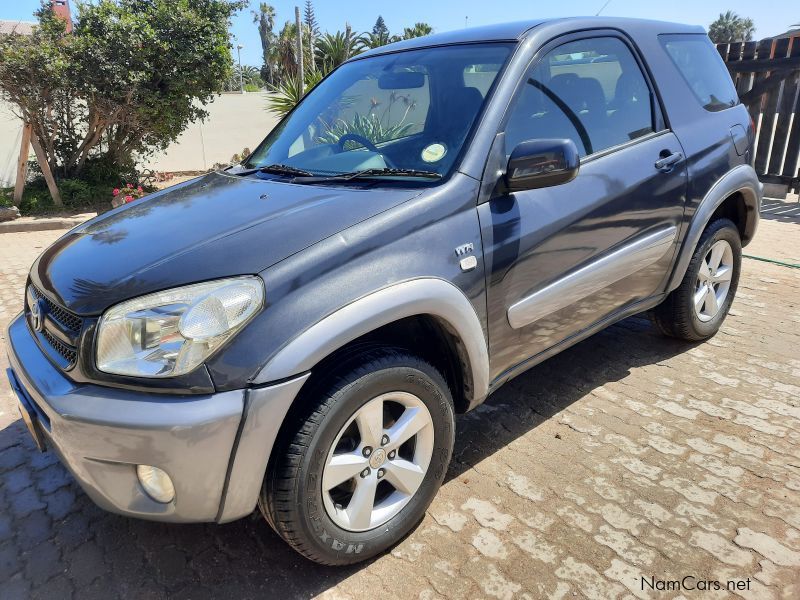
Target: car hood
215, 226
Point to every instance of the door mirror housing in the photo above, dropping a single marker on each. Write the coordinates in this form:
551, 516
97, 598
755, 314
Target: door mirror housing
542, 163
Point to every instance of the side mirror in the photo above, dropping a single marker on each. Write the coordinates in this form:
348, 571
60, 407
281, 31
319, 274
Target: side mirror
541, 163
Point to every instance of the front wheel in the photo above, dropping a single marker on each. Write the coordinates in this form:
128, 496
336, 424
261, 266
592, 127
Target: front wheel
358, 464
696, 309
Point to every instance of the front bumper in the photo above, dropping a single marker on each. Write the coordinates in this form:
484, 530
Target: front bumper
214, 447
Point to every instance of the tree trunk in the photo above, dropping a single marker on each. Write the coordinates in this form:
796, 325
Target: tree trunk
48, 174
300, 74
22, 163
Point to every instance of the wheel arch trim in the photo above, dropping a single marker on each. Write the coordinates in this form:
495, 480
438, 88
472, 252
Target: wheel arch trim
741, 179
423, 296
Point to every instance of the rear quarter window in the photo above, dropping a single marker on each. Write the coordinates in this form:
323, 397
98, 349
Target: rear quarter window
701, 66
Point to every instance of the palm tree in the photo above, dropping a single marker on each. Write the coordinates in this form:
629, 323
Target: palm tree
418, 30
376, 40
730, 27
333, 49
265, 19
285, 50
250, 75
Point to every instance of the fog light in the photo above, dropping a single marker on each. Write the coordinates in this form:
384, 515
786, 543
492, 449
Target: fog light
156, 483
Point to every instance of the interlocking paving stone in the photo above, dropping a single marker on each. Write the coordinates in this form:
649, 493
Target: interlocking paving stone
627, 456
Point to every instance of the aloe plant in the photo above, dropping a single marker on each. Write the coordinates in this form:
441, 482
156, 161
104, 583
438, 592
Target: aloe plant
368, 126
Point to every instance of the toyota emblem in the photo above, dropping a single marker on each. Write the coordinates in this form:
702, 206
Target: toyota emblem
37, 315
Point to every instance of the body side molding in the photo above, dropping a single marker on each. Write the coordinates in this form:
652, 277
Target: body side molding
592, 277
742, 179
423, 296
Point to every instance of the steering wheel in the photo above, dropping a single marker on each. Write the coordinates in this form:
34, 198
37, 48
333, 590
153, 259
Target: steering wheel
354, 137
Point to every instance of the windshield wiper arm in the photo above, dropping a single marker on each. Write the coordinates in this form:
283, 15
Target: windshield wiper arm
278, 169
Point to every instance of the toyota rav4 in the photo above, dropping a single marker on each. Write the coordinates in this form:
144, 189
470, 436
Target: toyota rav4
436, 216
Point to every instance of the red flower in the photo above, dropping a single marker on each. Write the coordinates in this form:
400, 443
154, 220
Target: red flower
140, 189
128, 199
116, 191
129, 186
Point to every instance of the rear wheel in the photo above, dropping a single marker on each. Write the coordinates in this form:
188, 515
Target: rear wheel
358, 465
696, 309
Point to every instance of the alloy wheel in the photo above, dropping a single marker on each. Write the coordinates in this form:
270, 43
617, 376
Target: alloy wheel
713, 280
378, 461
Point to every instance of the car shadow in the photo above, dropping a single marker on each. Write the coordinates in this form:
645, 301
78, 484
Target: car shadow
548, 388
53, 539
778, 210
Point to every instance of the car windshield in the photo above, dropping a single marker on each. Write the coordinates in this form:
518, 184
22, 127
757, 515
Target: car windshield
402, 114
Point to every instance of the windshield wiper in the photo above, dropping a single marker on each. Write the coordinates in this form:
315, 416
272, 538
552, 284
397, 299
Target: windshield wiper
308, 177
385, 172
278, 169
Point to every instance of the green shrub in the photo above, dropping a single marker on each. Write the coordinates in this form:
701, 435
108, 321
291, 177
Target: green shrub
6, 196
287, 94
103, 170
75, 193
36, 199
93, 191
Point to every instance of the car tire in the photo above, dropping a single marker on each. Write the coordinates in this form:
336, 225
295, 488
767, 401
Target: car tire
695, 310
332, 429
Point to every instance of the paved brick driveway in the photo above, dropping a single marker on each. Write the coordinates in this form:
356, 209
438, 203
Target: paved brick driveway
629, 455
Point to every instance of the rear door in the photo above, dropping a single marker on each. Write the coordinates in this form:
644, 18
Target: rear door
560, 259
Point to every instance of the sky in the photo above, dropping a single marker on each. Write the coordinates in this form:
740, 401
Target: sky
770, 17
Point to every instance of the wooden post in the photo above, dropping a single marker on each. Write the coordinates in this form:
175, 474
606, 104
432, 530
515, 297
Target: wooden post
300, 73
45, 166
22, 163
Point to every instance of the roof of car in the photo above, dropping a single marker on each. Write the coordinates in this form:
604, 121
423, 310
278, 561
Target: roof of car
519, 29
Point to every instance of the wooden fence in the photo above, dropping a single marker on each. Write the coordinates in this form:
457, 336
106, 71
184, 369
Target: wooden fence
767, 78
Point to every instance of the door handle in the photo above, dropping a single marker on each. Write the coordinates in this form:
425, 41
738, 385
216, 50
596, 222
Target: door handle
666, 163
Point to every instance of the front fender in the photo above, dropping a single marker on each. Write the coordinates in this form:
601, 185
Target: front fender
741, 179
423, 296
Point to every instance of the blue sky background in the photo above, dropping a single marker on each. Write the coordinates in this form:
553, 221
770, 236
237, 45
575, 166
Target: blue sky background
770, 18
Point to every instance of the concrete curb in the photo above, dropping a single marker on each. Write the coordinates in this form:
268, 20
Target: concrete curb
41, 224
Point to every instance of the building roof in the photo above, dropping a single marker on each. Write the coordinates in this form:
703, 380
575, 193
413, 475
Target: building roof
18, 27
795, 32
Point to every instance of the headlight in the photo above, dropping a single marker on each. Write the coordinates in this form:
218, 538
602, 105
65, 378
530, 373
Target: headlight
171, 332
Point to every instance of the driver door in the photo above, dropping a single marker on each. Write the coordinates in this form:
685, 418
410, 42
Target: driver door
564, 258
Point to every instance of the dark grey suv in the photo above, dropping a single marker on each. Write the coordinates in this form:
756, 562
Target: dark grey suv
434, 218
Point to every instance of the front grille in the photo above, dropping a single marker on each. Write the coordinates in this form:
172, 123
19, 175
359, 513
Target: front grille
59, 323
62, 315
68, 353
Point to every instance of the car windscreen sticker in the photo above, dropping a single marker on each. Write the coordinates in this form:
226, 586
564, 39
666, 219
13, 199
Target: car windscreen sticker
433, 153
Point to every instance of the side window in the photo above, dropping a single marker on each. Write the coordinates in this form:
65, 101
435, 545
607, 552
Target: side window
591, 91
703, 69
481, 76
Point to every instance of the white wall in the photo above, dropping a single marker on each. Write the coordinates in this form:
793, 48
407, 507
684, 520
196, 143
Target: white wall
235, 121
10, 138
